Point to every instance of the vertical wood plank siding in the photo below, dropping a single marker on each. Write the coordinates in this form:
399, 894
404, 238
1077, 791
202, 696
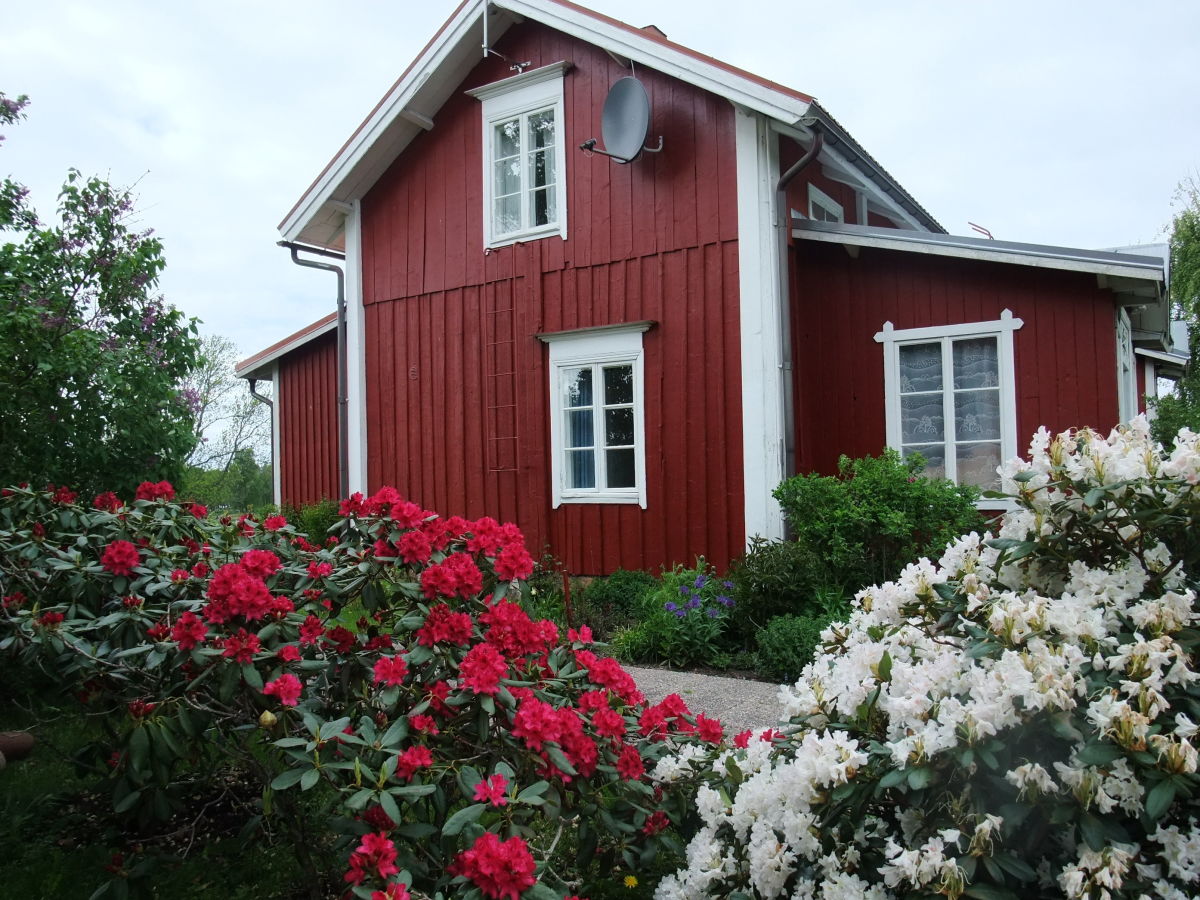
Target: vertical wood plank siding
840, 302
308, 422
457, 383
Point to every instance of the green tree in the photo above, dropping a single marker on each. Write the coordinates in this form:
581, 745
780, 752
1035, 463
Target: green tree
1183, 407
94, 359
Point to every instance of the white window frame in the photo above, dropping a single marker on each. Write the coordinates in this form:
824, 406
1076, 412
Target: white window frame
616, 344
1002, 330
522, 95
817, 197
1127, 393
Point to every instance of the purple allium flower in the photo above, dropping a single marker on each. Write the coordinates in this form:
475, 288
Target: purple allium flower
693, 603
683, 589
712, 612
724, 601
670, 607
699, 582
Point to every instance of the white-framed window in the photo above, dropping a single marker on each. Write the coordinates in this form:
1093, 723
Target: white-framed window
822, 207
597, 415
524, 157
951, 396
1127, 393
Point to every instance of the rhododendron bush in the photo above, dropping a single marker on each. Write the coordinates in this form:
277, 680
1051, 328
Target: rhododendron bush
1017, 720
458, 746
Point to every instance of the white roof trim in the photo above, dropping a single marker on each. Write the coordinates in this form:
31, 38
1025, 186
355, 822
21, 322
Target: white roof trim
254, 369
439, 63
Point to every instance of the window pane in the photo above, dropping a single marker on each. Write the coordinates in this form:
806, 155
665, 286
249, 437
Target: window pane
508, 177
977, 415
618, 385
976, 363
541, 128
935, 459
580, 431
921, 419
581, 468
507, 136
618, 427
543, 210
620, 468
920, 368
541, 168
977, 464
577, 387
508, 214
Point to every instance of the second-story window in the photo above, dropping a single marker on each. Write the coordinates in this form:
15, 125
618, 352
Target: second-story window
524, 162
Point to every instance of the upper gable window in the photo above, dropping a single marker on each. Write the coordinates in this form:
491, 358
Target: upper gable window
822, 207
524, 157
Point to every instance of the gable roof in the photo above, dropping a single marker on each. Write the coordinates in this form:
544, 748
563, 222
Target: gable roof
412, 103
259, 365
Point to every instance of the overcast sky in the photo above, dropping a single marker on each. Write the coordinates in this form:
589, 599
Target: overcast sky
1057, 123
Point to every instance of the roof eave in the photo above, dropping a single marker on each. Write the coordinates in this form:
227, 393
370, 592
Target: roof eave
259, 367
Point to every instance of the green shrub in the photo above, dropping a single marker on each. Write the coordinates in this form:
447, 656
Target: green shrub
314, 519
682, 622
777, 578
542, 592
876, 516
612, 602
788, 644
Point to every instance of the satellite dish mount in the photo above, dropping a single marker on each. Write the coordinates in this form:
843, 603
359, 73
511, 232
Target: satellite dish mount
624, 123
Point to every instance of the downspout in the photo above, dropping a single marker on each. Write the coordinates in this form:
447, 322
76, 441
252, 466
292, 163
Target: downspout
343, 417
270, 406
785, 324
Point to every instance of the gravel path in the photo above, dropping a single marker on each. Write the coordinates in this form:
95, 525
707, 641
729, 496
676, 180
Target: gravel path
738, 703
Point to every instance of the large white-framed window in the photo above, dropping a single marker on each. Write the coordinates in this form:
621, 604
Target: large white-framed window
524, 156
950, 394
822, 207
597, 415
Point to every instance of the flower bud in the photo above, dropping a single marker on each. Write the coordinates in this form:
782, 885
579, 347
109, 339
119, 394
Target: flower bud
267, 719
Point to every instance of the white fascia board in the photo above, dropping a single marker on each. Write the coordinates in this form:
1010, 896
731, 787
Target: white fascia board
276, 476
356, 357
759, 281
937, 249
263, 369
652, 54
426, 68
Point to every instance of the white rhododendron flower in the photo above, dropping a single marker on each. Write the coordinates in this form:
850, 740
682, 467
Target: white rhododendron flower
1020, 715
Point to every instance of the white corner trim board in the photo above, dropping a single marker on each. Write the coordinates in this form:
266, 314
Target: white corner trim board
759, 305
356, 361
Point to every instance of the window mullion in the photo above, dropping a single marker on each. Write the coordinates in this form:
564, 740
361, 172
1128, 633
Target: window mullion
950, 431
598, 428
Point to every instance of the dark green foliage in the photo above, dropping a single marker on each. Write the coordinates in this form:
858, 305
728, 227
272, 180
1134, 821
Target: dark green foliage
315, 519
876, 516
612, 602
242, 486
787, 645
1182, 409
682, 622
780, 578
542, 592
93, 357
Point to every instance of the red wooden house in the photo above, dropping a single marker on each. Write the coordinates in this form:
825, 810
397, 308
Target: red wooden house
626, 359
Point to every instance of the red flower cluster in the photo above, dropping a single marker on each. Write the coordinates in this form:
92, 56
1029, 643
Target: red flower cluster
456, 576
274, 523
288, 653
159, 632
492, 790
656, 822
607, 672
139, 709
311, 630
414, 547
502, 870
415, 757
235, 590
15, 600
63, 495
394, 891
108, 501
629, 764
377, 853
261, 563
538, 723
513, 633
189, 631
286, 687
482, 668
514, 561
120, 557
149, 490
241, 646
199, 510
319, 569
390, 670
444, 625
50, 619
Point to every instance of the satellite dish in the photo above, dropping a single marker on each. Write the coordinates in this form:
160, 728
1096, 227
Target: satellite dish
624, 122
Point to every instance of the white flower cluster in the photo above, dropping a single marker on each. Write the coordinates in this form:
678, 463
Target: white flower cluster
1045, 671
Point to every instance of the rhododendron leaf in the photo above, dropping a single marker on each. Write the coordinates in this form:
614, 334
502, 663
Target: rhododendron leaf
396, 732
412, 791
417, 830
1159, 800
589, 839
418, 655
127, 802
503, 768
468, 778
1015, 866
506, 697
462, 818
920, 777
389, 806
389, 696
488, 704
1061, 726
534, 794
309, 778
559, 759
291, 742
169, 740
541, 891
1099, 753
1091, 830
139, 747
252, 675
989, 891
229, 682
313, 665
286, 779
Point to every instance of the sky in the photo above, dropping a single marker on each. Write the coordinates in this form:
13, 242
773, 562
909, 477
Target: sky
1049, 122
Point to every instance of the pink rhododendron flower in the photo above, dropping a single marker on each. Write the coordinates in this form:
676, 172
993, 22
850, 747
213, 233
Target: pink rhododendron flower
260, 563
444, 626
390, 670
416, 757
629, 764
274, 523
394, 891
311, 630
482, 668
319, 569
502, 870
189, 631
492, 790
286, 687
288, 653
376, 852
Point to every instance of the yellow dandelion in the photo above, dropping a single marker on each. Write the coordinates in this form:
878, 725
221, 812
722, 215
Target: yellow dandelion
631, 881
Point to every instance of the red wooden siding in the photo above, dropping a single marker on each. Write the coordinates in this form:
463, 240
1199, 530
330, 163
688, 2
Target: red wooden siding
1065, 354
797, 190
457, 382
307, 390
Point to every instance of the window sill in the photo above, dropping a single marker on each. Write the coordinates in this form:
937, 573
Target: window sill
522, 236
626, 499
